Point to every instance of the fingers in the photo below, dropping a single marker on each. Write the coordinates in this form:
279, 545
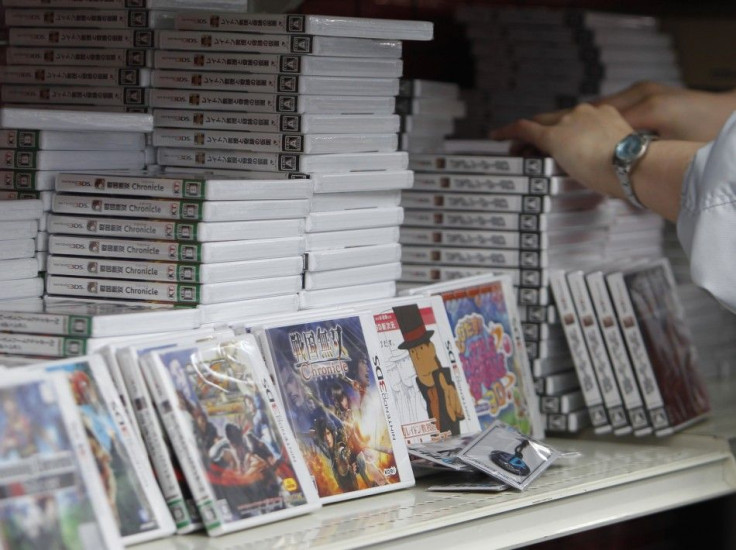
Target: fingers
526, 131
632, 95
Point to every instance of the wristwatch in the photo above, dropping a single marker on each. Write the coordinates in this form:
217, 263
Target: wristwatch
626, 154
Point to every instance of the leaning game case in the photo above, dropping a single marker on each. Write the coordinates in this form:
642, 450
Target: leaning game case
658, 315
338, 404
54, 497
137, 504
220, 409
485, 321
421, 365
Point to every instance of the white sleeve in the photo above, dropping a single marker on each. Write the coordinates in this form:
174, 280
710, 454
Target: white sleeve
706, 225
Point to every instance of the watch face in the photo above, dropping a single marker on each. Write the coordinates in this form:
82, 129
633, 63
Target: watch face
630, 148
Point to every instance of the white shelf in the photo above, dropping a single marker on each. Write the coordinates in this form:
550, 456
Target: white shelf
612, 481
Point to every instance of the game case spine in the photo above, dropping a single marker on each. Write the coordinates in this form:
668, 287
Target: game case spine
561, 404
616, 347
526, 204
46, 346
88, 4
71, 75
599, 357
484, 164
79, 95
6, 195
89, 287
75, 57
478, 183
503, 221
95, 19
581, 358
638, 354
482, 239
25, 180
102, 205
572, 422
474, 257
71, 37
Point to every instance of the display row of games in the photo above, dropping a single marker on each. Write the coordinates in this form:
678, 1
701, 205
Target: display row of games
298, 410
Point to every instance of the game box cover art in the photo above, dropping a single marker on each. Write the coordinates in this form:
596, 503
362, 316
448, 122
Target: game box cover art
338, 406
45, 501
492, 353
233, 432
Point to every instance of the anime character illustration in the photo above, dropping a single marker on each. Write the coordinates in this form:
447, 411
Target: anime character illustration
433, 380
334, 405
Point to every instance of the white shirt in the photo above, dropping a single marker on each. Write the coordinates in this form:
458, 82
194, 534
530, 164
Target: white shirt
706, 225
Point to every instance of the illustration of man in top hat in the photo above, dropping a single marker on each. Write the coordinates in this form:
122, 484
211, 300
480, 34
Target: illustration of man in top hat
433, 380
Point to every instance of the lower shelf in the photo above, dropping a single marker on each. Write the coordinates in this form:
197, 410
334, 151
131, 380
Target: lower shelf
610, 481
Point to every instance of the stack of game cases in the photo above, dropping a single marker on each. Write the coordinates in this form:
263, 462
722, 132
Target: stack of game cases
211, 242
37, 144
428, 110
473, 214
631, 347
530, 60
285, 96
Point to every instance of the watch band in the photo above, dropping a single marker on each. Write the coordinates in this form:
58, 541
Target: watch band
625, 181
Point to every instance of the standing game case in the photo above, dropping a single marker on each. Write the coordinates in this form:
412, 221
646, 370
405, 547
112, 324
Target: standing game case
51, 489
220, 409
333, 386
422, 369
484, 319
138, 507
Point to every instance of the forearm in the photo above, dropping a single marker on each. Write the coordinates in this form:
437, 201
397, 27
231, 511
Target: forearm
657, 178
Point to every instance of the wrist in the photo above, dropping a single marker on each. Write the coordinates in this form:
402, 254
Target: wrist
627, 154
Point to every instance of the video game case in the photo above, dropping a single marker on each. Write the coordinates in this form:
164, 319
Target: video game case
600, 360
274, 123
248, 309
527, 204
486, 164
196, 60
419, 125
558, 383
539, 314
220, 41
583, 365
179, 293
331, 202
405, 328
483, 317
477, 183
360, 218
7, 195
347, 182
173, 272
616, 347
474, 257
172, 231
79, 95
562, 404
74, 75
178, 209
118, 58
547, 366
351, 238
274, 142
72, 37
70, 160
274, 83
417, 87
72, 141
430, 106
168, 470
208, 252
42, 345
75, 487
70, 120
194, 186
229, 499
335, 278
281, 162
107, 425
312, 299
572, 422
651, 307
85, 107
27, 180
344, 360
252, 102
17, 248
88, 19
18, 230
482, 239
536, 332
359, 27
353, 257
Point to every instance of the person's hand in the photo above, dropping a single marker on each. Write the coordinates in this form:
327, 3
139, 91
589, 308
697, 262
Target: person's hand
581, 140
672, 112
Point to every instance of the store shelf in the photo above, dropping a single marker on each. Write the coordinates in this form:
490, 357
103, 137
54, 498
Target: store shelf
611, 481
